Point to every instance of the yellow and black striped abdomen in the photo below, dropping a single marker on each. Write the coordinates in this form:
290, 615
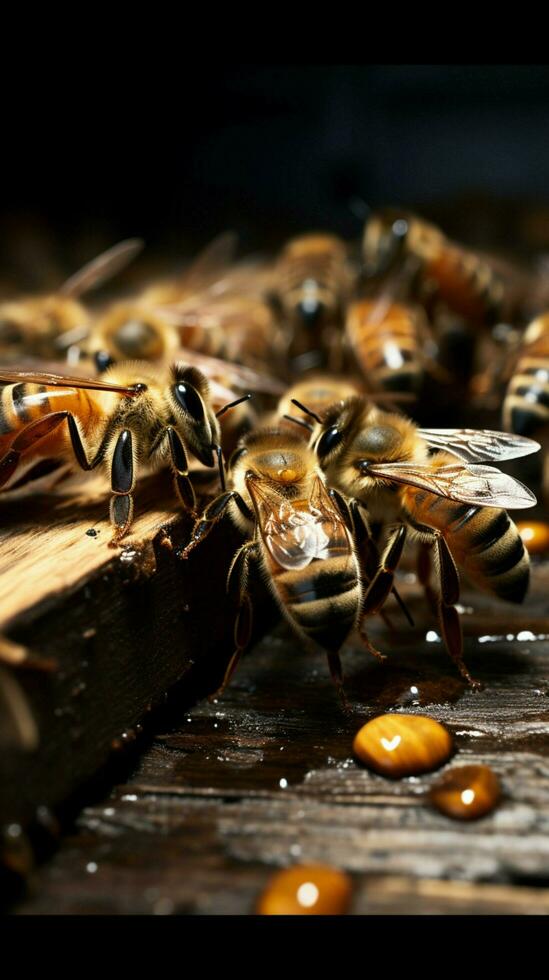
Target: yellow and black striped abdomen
386, 344
25, 402
484, 542
526, 404
323, 598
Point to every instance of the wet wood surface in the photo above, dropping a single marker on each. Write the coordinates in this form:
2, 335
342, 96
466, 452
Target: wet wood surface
219, 795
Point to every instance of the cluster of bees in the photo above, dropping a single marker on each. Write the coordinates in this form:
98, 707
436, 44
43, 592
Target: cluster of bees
287, 376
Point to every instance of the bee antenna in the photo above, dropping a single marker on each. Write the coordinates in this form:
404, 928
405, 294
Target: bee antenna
226, 408
403, 606
306, 425
307, 411
219, 453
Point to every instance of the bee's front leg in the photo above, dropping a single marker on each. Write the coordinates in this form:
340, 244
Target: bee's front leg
212, 514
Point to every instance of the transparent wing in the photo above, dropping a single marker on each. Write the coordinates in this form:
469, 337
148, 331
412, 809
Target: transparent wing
483, 486
235, 374
298, 533
211, 261
474, 445
103, 267
60, 381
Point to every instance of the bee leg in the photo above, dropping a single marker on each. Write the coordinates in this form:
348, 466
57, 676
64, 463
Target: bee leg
183, 486
368, 555
244, 617
423, 566
336, 670
212, 514
382, 582
26, 438
122, 484
448, 616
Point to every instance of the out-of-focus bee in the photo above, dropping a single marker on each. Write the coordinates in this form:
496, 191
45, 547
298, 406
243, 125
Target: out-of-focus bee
462, 280
213, 308
526, 404
318, 392
41, 326
391, 342
381, 460
312, 279
299, 534
135, 418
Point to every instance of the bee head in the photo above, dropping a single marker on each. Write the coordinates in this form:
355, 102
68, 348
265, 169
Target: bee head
385, 241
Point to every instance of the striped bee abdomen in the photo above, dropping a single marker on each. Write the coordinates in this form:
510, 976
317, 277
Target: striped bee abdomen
526, 404
311, 276
484, 542
386, 343
467, 284
25, 402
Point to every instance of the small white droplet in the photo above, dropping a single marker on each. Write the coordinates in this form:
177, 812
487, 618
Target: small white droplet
129, 797
283, 783
91, 867
432, 637
108, 812
307, 894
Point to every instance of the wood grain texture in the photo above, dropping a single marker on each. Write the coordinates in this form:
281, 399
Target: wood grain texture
103, 632
203, 819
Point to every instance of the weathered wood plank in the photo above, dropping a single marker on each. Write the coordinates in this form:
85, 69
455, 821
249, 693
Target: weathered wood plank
203, 818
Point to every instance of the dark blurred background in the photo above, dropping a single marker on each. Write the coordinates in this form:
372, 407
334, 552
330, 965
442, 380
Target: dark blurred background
271, 151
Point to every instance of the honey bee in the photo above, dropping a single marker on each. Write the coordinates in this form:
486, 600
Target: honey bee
526, 403
465, 282
135, 418
213, 308
318, 392
390, 342
311, 281
379, 461
299, 534
41, 326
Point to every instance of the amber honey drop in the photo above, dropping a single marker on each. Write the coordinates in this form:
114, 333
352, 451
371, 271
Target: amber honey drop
535, 536
403, 745
306, 889
466, 792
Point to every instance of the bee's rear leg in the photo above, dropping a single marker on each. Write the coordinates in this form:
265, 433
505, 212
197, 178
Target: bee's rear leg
448, 615
25, 439
336, 670
244, 618
423, 567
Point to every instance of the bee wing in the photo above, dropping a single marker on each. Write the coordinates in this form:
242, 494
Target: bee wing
297, 536
483, 486
236, 374
474, 445
211, 261
103, 267
60, 381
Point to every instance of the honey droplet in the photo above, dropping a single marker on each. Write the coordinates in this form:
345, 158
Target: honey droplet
466, 792
403, 745
535, 535
306, 889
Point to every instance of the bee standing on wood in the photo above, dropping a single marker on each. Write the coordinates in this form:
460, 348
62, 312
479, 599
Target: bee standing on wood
381, 461
136, 417
42, 326
299, 534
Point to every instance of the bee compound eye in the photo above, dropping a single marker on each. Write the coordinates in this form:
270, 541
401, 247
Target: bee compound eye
328, 441
189, 400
